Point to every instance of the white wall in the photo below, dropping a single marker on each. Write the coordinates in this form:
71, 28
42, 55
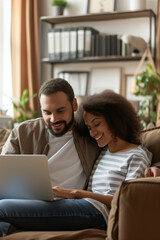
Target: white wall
138, 27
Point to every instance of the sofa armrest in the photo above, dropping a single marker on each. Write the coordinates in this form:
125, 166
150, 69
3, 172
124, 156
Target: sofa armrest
135, 212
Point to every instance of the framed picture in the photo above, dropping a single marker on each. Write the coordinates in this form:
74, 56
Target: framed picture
98, 6
77, 79
104, 78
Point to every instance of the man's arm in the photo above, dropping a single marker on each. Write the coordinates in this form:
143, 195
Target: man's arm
11, 146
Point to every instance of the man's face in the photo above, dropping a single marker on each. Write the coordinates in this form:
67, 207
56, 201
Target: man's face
58, 112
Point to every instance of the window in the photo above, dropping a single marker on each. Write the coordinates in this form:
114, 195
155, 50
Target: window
5, 57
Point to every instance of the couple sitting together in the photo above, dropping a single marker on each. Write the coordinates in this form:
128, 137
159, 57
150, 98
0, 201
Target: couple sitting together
97, 150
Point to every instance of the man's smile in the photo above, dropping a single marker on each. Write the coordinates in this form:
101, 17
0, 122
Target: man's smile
56, 125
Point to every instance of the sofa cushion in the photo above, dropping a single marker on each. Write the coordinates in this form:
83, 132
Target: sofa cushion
135, 206
151, 139
4, 133
87, 234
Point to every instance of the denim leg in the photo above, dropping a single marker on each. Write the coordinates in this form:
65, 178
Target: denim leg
36, 215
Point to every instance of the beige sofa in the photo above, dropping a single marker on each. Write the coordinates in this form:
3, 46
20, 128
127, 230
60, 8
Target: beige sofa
135, 212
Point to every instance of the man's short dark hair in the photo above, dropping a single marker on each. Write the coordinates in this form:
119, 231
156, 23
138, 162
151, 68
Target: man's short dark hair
57, 85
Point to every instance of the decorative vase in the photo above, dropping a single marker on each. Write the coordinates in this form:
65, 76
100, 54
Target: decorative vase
137, 4
130, 5
58, 10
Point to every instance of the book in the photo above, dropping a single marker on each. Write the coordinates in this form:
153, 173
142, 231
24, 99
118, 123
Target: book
93, 45
97, 50
113, 45
107, 45
119, 45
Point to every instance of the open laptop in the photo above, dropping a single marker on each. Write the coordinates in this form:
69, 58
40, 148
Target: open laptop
25, 177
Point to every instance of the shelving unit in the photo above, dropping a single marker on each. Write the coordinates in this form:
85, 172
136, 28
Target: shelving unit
147, 13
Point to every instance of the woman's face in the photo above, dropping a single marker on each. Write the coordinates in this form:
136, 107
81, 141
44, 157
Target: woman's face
98, 129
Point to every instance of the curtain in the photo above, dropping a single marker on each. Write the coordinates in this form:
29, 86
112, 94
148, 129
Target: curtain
25, 49
158, 39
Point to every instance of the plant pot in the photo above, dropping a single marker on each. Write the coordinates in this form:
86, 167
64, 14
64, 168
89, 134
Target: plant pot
58, 10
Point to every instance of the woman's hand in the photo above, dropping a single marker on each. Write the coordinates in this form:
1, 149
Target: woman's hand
65, 192
77, 194
152, 172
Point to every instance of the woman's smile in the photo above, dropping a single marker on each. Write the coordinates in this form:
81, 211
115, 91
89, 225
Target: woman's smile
99, 137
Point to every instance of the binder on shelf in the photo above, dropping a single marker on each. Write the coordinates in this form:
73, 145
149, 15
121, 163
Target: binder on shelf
51, 43
65, 43
57, 50
54, 47
84, 40
89, 32
73, 43
81, 39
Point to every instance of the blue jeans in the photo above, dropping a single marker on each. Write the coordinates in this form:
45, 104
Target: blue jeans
36, 215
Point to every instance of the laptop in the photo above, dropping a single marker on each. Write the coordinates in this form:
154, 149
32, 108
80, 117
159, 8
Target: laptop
25, 177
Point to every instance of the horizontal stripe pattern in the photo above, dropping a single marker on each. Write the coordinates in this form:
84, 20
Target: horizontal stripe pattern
111, 169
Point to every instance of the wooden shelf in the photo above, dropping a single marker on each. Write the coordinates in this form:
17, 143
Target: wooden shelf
99, 16
146, 13
93, 59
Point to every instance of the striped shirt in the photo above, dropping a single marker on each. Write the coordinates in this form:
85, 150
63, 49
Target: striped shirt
111, 169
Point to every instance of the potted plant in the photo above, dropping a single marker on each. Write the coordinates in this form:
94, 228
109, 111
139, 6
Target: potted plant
58, 6
148, 85
20, 105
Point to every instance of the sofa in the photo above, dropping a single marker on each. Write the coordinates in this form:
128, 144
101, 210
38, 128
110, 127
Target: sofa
135, 211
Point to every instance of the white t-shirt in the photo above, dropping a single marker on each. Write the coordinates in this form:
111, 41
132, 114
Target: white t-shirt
64, 164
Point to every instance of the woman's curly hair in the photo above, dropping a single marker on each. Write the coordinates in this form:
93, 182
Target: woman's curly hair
119, 113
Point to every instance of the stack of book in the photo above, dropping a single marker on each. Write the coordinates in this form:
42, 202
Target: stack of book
109, 45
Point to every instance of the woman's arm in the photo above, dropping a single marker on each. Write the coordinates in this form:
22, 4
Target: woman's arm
77, 194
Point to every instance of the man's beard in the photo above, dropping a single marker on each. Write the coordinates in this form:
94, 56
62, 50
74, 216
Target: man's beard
65, 129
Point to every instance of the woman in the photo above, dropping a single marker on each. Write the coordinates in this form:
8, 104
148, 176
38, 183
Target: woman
113, 123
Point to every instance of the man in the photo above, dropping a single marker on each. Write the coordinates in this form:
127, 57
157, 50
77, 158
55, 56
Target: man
56, 133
